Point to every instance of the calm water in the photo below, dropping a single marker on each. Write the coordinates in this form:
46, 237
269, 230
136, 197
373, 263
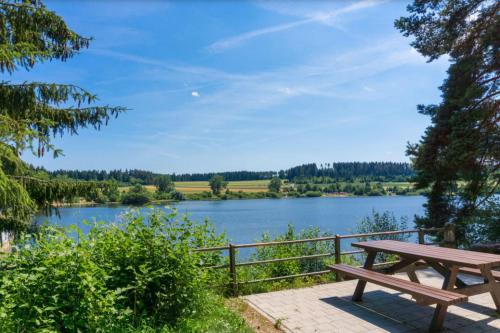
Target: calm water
245, 220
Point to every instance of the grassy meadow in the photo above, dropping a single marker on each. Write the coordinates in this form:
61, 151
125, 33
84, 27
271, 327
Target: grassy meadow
249, 186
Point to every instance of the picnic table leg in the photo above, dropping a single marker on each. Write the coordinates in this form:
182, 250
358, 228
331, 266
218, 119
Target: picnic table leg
360, 288
438, 318
412, 274
440, 312
493, 285
445, 272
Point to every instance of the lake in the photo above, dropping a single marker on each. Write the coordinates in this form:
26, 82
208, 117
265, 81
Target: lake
245, 220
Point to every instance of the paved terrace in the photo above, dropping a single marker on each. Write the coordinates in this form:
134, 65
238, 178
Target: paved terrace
328, 308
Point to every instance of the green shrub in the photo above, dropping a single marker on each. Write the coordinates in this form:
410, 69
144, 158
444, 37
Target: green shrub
139, 274
53, 285
313, 194
136, 195
176, 195
290, 267
381, 222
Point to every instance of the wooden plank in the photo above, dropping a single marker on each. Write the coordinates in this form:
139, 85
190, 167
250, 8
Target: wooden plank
477, 272
474, 289
445, 255
436, 295
472, 255
469, 254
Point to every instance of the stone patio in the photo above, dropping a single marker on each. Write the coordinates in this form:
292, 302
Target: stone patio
328, 308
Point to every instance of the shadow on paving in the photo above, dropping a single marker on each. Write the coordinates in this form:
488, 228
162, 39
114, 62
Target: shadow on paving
393, 311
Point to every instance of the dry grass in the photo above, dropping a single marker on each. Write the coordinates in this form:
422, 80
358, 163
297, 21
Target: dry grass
202, 186
254, 319
244, 186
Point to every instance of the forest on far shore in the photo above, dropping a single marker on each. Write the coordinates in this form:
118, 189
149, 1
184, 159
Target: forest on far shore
344, 171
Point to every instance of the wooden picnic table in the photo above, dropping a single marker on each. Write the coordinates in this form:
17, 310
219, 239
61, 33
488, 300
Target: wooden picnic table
446, 261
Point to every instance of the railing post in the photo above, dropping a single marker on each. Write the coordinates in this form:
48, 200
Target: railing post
232, 269
449, 235
421, 236
338, 257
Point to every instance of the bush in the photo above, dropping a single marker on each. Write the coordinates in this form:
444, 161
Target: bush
381, 223
290, 267
313, 194
176, 195
139, 274
273, 195
137, 195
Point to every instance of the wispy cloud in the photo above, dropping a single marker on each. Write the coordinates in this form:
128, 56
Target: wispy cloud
230, 42
199, 72
325, 17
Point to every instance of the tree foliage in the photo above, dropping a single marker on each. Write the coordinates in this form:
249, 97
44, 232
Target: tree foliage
458, 156
164, 184
350, 170
31, 113
217, 184
338, 170
274, 185
137, 195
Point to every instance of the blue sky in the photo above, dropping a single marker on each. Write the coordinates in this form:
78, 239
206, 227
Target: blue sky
233, 85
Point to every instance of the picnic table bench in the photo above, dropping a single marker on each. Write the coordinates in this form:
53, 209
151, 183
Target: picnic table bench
446, 261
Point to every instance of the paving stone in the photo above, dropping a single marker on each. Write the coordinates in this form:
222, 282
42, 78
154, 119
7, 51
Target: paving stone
328, 308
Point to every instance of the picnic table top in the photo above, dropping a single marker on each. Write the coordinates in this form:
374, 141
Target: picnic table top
443, 255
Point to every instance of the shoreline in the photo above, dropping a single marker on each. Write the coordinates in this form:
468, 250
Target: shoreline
162, 202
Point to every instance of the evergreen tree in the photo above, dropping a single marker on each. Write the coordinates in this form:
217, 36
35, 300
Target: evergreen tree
31, 113
458, 156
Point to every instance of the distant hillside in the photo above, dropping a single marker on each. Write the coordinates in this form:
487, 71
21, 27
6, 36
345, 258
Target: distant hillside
336, 170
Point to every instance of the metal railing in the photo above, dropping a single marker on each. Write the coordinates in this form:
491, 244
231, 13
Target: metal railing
336, 254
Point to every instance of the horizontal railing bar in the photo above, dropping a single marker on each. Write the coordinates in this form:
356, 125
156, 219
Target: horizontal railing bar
352, 252
217, 266
319, 239
258, 262
216, 248
382, 264
295, 241
286, 277
381, 233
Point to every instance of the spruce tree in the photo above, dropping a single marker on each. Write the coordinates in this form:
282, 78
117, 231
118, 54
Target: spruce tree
32, 113
458, 156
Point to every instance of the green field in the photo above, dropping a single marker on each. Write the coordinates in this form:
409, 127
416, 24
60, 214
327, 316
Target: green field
250, 186
244, 186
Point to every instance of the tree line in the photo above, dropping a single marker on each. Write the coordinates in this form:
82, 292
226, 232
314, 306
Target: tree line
338, 170
350, 170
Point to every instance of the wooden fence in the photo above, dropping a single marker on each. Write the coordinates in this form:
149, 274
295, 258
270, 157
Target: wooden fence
336, 254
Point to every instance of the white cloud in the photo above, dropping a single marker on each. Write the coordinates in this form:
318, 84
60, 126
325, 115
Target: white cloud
195, 94
326, 17
231, 42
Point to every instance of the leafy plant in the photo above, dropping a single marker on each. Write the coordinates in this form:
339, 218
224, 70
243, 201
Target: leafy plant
138, 274
137, 195
289, 267
382, 222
